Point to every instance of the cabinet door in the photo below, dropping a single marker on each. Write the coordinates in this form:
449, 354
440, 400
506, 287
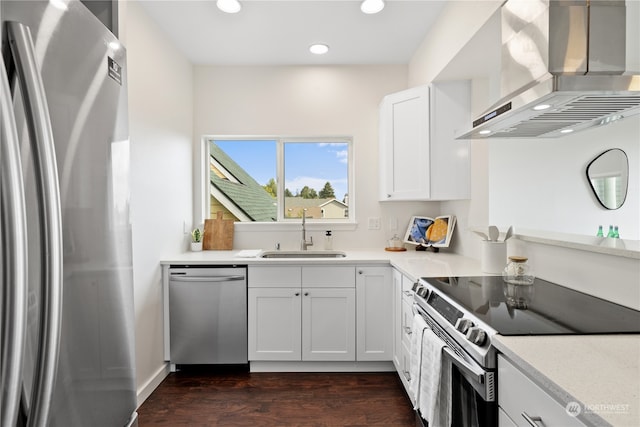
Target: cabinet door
274, 323
374, 313
520, 398
404, 145
328, 324
396, 277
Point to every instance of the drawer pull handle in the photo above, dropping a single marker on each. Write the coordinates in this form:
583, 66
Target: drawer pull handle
407, 330
533, 421
408, 293
297, 294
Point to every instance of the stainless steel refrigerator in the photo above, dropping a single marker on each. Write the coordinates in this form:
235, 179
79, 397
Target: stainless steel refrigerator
67, 322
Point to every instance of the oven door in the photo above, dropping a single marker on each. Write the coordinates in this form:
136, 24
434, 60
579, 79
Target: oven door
473, 397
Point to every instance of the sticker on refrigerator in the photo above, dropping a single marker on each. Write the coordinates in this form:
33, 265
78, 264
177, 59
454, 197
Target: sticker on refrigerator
115, 71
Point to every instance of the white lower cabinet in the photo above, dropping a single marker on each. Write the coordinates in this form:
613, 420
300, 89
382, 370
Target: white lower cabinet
396, 278
374, 314
290, 321
504, 420
402, 322
523, 403
275, 327
328, 324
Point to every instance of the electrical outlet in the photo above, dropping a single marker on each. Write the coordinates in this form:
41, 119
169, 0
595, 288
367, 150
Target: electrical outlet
393, 223
374, 223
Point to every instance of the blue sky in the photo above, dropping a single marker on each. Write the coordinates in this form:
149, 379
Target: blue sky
305, 164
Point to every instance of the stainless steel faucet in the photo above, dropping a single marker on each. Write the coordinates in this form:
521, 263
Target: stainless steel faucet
304, 243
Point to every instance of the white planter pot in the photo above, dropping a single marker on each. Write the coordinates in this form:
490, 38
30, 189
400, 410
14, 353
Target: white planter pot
196, 246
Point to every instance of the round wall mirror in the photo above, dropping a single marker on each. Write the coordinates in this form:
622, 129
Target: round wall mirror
608, 175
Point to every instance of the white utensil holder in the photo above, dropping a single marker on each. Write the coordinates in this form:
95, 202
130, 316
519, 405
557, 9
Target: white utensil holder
493, 257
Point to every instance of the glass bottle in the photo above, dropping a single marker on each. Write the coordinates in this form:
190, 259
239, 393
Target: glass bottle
600, 234
616, 234
518, 271
610, 233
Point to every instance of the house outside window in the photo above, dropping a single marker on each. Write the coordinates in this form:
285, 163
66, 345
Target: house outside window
276, 179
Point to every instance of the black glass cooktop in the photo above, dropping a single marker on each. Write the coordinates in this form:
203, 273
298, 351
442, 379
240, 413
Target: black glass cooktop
543, 308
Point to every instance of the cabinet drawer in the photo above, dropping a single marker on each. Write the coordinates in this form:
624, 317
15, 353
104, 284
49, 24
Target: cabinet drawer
405, 370
504, 420
520, 397
407, 292
274, 276
329, 276
407, 324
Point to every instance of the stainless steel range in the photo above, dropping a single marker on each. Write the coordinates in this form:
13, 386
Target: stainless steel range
467, 312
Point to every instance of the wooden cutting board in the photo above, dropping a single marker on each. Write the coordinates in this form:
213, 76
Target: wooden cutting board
218, 233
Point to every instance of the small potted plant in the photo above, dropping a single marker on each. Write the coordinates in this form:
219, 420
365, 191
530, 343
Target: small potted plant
196, 240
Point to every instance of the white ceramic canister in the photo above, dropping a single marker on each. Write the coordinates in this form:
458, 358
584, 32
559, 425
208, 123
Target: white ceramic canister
493, 256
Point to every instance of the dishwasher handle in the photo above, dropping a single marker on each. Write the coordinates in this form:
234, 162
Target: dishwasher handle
205, 278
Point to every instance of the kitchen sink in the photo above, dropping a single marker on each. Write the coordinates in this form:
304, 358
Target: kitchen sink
303, 254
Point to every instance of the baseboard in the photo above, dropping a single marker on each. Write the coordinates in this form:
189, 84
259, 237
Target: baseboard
147, 388
384, 366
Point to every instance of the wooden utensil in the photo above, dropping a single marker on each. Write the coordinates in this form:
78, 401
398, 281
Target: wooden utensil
218, 233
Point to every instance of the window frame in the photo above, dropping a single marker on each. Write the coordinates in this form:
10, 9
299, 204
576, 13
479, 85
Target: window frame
203, 193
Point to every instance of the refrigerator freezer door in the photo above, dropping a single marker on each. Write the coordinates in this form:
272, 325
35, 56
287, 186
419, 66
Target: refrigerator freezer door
83, 69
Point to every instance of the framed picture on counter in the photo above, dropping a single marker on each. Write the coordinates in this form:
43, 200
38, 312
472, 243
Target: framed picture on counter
435, 232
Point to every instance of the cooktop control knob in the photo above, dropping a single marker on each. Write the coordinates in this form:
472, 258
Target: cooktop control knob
463, 325
476, 335
422, 291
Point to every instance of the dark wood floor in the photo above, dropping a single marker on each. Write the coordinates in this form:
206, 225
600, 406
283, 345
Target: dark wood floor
227, 398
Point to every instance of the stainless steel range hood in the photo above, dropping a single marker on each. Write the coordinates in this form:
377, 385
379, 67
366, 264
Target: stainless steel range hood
564, 69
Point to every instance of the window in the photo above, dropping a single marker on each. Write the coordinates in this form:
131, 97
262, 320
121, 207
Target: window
276, 179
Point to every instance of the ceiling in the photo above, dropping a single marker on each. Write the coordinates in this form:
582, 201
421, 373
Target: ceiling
267, 32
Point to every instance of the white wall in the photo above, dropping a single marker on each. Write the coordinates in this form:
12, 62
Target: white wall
301, 101
160, 111
548, 189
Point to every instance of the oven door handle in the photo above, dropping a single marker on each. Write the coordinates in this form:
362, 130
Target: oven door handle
482, 381
475, 373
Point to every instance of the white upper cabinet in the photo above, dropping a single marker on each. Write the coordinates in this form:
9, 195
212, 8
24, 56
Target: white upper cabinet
420, 159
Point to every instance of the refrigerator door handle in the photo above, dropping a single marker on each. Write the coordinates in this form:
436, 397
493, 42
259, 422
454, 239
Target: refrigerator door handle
48, 189
14, 263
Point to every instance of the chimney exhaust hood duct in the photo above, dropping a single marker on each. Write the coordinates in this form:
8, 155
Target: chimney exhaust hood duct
563, 70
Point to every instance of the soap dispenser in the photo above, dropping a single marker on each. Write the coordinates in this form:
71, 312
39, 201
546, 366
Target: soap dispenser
328, 241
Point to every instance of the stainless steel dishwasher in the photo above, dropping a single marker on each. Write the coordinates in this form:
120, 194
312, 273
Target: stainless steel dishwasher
208, 315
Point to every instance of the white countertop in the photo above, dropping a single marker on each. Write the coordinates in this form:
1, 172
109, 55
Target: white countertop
600, 372
414, 264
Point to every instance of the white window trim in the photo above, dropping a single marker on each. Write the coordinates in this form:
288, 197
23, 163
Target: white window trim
201, 191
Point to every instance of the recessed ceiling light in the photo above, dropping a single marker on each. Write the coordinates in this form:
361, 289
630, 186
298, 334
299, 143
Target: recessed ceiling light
566, 131
372, 6
540, 107
318, 49
485, 132
229, 6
